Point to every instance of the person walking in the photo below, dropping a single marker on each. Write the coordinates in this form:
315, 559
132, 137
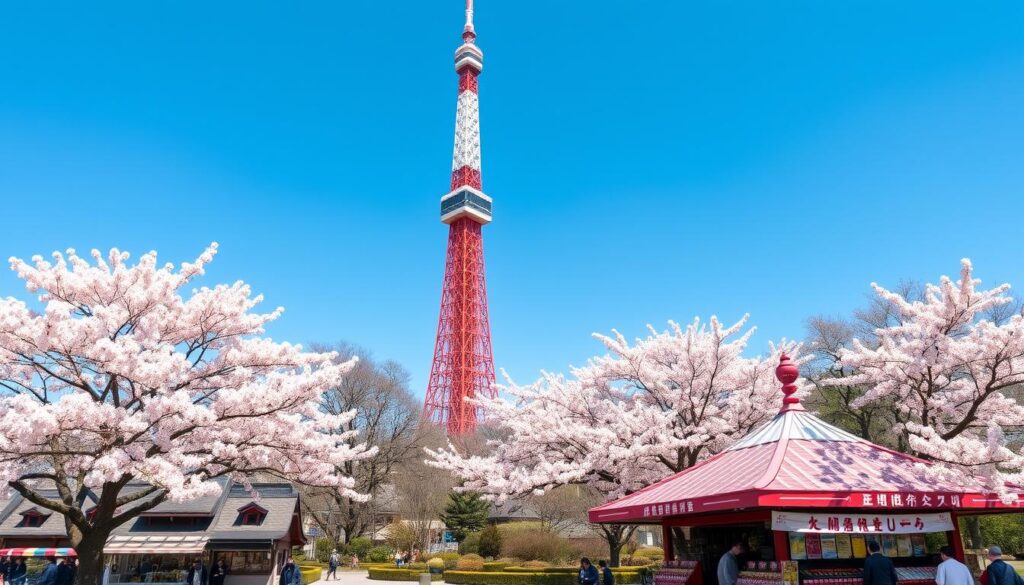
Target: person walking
49, 574
290, 574
219, 572
198, 575
332, 566
952, 571
607, 578
999, 572
729, 564
398, 558
588, 574
878, 569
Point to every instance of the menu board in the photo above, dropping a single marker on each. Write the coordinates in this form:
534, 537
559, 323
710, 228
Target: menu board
813, 545
797, 550
919, 544
889, 547
860, 547
828, 546
903, 545
844, 547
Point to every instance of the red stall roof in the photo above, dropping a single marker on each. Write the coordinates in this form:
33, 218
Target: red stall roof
796, 460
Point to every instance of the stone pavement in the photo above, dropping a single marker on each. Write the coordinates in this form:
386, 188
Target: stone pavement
349, 577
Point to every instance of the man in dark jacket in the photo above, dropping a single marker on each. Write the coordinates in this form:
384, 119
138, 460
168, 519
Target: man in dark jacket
65, 572
878, 569
49, 574
607, 578
290, 574
17, 573
197, 575
588, 574
999, 571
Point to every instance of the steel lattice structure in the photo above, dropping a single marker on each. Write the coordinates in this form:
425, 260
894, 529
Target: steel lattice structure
463, 364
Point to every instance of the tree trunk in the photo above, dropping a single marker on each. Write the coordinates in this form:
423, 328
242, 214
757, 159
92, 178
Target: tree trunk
974, 531
90, 557
617, 536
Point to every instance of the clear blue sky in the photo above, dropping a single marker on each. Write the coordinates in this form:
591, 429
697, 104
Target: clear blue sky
648, 160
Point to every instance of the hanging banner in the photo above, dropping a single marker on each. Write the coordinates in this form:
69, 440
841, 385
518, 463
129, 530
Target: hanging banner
861, 523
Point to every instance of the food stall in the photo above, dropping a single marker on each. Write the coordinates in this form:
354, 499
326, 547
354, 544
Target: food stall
805, 498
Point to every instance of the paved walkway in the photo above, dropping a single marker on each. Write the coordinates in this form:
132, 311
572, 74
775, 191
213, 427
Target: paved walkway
360, 577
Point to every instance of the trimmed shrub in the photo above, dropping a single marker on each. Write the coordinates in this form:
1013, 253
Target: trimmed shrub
490, 542
470, 563
505, 578
495, 566
396, 574
435, 564
536, 565
536, 545
310, 574
650, 552
380, 554
421, 567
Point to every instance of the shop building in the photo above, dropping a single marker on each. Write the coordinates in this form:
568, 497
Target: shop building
806, 498
253, 535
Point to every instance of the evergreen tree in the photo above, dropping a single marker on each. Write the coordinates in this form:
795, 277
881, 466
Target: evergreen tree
466, 512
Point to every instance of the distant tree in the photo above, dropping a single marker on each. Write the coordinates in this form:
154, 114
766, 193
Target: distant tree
564, 506
421, 490
466, 512
490, 542
386, 417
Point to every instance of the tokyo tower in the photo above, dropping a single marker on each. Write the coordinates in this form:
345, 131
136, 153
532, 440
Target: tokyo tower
463, 365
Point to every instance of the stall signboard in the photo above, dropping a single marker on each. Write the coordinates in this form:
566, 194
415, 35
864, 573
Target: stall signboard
824, 523
790, 573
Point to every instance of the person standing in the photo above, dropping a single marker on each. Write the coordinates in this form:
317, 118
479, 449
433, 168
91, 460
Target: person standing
607, 578
65, 572
878, 569
5, 567
588, 574
999, 572
291, 574
355, 561
332, 566
952, 571
197, 575
49, 574
18, 572
729, 564
219, 572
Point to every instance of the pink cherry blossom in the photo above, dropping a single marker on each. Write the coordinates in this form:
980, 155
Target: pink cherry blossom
628, 418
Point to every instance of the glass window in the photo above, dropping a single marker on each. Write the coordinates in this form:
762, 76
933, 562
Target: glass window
245, 562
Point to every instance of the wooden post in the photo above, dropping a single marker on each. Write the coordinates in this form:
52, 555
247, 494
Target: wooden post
955, 539
781, 538
666, 541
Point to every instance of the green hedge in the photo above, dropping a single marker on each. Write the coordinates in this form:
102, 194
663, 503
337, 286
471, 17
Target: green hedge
310, 574
495, 566
395, 574
506, 578
623, 575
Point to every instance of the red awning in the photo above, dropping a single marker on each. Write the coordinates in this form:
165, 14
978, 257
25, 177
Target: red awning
37, 552
798, 461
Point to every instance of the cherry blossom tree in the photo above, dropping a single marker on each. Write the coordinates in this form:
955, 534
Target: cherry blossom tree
948, 367
122, 390
626, 419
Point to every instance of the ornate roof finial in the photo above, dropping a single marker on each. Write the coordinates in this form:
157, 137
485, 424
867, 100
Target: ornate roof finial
787, 372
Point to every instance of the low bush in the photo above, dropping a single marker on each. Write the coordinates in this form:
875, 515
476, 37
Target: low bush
650, 552
536, 565
380, 554
435, 564
359, 546
490, 542
396, 574
506, 578
421, 567
470, 563
535, 545
495, 566
471, 545
310, 574
323, 547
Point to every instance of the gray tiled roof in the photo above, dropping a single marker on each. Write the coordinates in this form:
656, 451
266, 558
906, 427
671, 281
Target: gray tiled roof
204, 506
53, 525
279, 500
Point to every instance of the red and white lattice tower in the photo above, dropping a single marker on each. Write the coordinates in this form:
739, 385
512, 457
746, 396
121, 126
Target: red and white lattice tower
463, 364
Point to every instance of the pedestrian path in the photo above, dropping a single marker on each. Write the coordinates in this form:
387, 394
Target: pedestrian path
359, 577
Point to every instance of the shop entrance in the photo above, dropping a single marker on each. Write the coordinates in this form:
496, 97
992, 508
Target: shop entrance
708, 543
